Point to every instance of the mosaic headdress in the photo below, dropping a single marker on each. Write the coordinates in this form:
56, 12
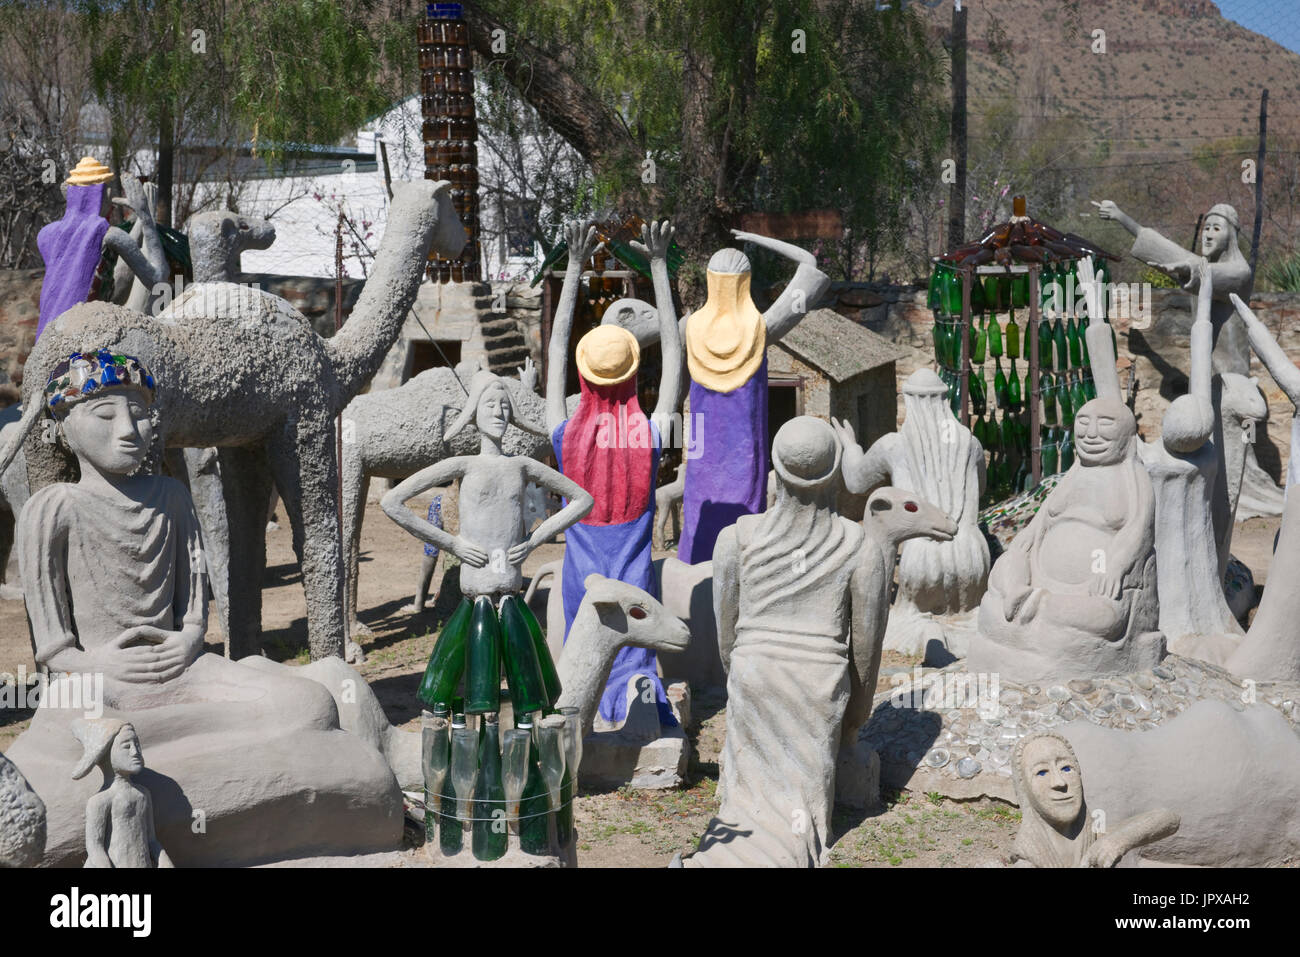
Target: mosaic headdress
84, 375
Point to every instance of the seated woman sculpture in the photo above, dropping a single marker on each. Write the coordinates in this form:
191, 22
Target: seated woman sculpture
1056, 829
113, 576
1075, 594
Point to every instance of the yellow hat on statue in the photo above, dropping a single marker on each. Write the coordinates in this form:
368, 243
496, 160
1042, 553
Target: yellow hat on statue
89, 172
608, 355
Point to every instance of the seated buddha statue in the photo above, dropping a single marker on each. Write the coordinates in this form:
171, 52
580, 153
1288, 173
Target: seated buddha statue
1075, 594
246, 763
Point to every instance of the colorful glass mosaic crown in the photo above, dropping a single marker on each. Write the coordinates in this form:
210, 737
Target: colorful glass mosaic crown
86, 374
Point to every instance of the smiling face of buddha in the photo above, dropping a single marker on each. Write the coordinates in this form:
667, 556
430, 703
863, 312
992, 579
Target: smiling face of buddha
1103, 432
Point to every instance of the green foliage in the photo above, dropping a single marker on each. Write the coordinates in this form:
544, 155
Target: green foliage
1281, 276
1156, 278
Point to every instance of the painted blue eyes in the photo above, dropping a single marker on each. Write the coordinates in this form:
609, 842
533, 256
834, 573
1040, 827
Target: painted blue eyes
1067, 769
1041, 773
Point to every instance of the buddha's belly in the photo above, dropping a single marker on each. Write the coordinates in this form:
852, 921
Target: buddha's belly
1072, 552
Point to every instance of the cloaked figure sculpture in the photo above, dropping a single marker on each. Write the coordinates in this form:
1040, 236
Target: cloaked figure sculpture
726, 354
610, 448
940, 583
73, 245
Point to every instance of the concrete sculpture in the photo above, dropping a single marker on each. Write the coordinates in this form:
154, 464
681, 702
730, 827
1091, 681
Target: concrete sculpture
1056, 829
1075, 593
394, 433
726, 353
940, 583
241, 370
1284, 373
1231, 776
22, 819
1184, 465
113, 575
1229, 273
794, 593
610, 448
72, 246
491, 543
119, 819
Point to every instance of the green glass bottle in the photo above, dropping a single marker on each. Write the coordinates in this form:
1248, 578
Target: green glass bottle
1044, 344
1090, 388
1072, 336
515, 611
977, 303
1067, 450
1048, 451
447, 662
483, 684
1065, 400
1048, 291
1013, 386
451, 835
435, 749
1078, 394
1013, 337
1020, 291
534, 803
975, 382
1022, 477
490, 832
936, 336
523, 670
1047, 390
1000, 385
980, 339
995, 336
992, 300
952, 292
1062, 345
1086, 362
932, 298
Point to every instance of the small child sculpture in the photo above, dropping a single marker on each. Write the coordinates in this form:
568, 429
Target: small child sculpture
1056, 830
119, 818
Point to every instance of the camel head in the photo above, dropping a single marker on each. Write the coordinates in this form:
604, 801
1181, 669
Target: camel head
613, 614
218, 238
894, 515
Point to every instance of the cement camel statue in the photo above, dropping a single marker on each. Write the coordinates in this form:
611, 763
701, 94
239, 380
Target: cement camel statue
241, 370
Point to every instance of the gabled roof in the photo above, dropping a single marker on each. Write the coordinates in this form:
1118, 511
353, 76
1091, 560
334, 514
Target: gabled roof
837, 345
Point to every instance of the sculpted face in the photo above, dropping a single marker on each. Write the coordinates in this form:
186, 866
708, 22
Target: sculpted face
1103, 431
1055, 786
126, 754
1215, 236
493, 412
112, 432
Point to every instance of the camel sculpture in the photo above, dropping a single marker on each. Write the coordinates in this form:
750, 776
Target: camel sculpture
395, 433
241, 370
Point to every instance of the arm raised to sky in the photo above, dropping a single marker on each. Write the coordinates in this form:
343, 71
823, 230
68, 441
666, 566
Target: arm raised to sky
582, 243
800, 295
1274, 357
1101, 350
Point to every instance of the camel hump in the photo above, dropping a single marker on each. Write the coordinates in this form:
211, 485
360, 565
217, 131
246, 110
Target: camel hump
230, 302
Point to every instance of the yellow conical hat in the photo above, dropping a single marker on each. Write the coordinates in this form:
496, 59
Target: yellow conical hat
89, 172
726, 337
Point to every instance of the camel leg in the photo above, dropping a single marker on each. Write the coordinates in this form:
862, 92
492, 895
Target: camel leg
306, 474
355, 486
203, 475
246, 484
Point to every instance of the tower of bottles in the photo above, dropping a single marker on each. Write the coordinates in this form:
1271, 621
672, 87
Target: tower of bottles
450, 130
999, 380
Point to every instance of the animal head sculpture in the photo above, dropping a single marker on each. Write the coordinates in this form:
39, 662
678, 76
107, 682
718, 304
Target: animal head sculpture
895, 515
217, 239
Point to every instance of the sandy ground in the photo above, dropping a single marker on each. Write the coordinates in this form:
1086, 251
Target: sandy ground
621, 828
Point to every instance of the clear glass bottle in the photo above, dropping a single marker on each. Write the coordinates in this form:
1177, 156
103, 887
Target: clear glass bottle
555, 771
534, 802
435, 749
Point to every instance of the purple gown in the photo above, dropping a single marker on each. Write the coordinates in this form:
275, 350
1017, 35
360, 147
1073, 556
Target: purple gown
621, 552
728, 476
71, 248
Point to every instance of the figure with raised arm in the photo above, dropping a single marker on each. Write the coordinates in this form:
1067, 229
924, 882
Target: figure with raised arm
612, 450
726, 353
